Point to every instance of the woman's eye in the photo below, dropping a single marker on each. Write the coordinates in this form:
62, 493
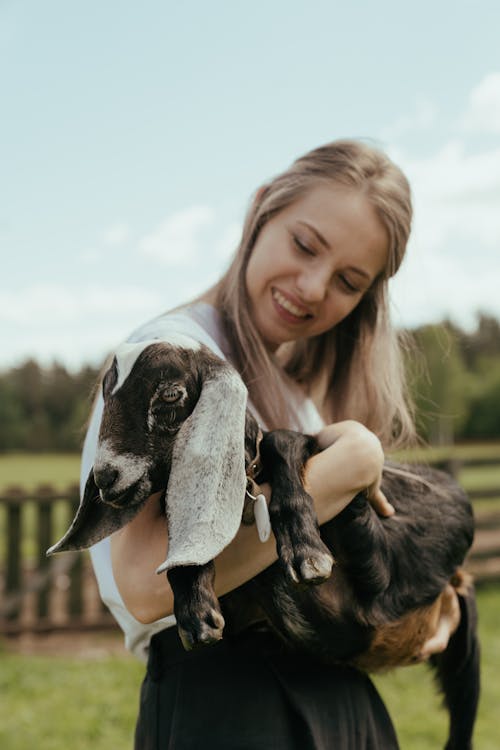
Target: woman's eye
302, 247
348, 286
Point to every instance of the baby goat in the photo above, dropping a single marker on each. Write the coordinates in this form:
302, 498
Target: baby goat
175, 412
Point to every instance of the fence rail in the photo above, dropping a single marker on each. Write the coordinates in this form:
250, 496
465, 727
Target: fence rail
40, 594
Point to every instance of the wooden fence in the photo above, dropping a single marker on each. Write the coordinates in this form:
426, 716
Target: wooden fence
40, 594
484, 558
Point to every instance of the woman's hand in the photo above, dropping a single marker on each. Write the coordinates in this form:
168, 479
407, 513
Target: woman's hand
447, 622
367, 453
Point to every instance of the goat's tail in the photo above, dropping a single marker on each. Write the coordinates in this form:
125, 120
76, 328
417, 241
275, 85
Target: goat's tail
458, 674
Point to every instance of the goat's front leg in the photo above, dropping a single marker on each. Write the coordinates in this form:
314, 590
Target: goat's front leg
196, 607
301, 552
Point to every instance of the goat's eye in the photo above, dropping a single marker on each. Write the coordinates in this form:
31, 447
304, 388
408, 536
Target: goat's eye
172, 395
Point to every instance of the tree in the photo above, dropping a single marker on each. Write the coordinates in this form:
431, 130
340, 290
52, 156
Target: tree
484, 414
440, 384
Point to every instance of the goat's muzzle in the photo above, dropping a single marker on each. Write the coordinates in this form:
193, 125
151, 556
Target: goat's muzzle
123, 498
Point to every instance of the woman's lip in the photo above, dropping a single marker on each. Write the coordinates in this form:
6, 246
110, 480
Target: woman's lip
289, 316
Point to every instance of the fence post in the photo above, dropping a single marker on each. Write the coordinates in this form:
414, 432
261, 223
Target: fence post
76, 574
452, 466
45, 497
13, 579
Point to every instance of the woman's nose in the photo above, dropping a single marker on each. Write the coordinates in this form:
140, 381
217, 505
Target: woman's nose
312, 286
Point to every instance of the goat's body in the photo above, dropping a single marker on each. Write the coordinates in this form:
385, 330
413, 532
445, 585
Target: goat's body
391, 582
165, 419
385, 567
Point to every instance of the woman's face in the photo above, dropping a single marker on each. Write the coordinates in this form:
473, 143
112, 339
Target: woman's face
313, 262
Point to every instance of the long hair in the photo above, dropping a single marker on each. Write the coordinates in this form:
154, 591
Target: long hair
355, 366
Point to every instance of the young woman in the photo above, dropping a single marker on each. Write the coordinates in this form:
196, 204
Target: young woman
303, 315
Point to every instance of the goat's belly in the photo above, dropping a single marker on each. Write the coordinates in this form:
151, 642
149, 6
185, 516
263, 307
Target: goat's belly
400, 643
318, 621
327, 624
333, 639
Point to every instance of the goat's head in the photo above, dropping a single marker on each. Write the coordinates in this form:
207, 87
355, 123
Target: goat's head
150, 391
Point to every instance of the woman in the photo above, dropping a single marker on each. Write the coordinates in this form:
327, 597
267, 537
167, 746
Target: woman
302, 313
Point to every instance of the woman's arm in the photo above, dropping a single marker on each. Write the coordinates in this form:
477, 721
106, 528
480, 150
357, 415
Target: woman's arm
351, 460
367, 461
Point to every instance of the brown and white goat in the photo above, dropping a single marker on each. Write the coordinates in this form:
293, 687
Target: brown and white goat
174, 412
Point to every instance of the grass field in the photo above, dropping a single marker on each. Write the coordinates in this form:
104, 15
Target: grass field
60, 701
62, 469
32, 469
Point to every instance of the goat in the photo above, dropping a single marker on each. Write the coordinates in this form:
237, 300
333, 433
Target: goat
175, 411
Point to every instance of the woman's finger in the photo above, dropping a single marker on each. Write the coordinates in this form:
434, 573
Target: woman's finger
379, 502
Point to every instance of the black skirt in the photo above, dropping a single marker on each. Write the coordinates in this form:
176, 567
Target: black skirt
248, 693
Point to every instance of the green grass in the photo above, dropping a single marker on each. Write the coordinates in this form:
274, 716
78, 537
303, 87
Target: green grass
28, 471
31, 469
461, 451
56, 703
62, 469
59, 702
411, 697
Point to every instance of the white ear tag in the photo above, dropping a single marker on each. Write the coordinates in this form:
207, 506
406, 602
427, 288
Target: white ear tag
262, 520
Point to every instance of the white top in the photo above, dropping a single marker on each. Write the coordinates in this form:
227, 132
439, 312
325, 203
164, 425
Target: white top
201, 322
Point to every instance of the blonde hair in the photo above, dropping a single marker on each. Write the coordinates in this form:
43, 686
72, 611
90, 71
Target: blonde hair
358, 362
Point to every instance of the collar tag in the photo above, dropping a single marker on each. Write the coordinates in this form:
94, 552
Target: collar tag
262, 520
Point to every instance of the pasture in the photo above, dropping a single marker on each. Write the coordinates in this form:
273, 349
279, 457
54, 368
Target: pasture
66, 699
88, 697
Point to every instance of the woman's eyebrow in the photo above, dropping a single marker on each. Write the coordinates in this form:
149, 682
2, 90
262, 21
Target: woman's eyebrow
319, 236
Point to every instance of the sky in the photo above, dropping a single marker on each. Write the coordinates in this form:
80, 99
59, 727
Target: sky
133, 135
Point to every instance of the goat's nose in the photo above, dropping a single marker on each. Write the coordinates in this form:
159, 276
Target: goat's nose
105, 477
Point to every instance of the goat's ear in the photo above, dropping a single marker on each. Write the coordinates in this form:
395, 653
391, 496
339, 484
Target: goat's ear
93, 521
207, 482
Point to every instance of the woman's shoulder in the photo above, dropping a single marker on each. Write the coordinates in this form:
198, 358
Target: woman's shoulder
199, 321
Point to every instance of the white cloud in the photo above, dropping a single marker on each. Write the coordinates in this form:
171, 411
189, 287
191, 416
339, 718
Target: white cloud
482, 114
422, 118
453, 263
431, 287
229, 239
457, 198
116, 235
74, 325
41, 305
176, 241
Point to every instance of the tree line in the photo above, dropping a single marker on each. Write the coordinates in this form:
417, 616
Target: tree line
454, 379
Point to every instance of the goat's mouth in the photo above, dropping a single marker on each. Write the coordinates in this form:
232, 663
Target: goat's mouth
129, 497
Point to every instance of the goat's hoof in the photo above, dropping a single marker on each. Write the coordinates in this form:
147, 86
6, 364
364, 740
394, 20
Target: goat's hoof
203, 632
311, 568
316, 569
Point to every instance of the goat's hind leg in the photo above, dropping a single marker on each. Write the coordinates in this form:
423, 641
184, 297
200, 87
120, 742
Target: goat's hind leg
458, 675
196, 607
301, 551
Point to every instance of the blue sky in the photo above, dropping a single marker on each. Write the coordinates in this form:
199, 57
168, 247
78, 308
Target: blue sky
133, 135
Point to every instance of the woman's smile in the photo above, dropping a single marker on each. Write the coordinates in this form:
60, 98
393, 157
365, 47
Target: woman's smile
312, 263
290, 309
